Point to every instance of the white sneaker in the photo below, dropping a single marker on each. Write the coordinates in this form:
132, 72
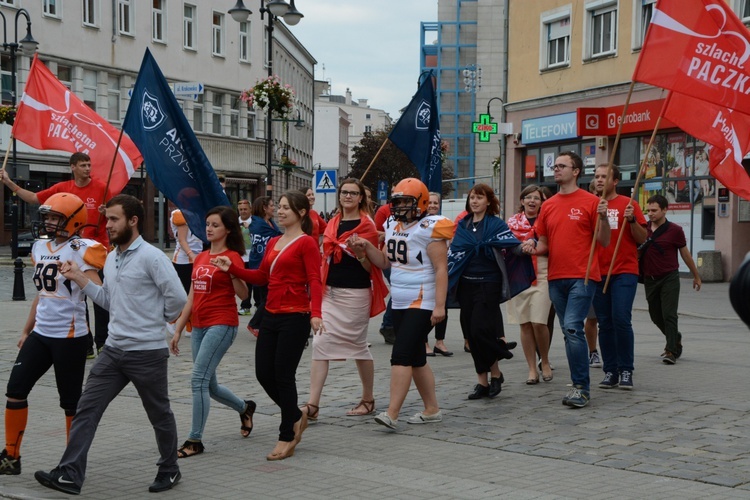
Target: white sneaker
421, 418
385, 419
595, 361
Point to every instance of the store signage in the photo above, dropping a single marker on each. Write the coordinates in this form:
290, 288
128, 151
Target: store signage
641, 117
549, 128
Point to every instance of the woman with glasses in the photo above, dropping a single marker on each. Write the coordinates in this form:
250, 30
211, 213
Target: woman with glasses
353, 292
486, 268
530, 308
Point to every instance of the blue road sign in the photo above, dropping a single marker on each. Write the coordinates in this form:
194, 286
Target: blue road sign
325, 181
382, 190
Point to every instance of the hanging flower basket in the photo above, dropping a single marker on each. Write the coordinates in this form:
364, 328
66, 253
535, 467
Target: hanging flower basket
269, 94
7, 114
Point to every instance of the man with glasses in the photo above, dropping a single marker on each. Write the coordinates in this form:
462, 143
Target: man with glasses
566, 228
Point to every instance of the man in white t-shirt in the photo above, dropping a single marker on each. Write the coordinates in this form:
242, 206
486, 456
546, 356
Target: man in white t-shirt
243, 208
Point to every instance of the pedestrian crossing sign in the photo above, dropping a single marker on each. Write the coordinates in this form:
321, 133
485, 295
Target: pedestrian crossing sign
325, 181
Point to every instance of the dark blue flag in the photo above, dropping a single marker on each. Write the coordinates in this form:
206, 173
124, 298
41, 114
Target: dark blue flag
175, 161
417, 134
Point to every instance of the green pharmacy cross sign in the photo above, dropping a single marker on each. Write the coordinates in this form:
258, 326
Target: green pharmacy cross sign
484, 127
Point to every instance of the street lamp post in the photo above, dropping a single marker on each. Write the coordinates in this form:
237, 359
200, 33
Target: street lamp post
26, 45
274, 9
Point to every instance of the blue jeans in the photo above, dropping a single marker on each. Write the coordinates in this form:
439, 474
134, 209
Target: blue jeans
572, 300
209, 346
614, 312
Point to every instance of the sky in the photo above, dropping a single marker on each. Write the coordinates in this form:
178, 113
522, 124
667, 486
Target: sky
369, 46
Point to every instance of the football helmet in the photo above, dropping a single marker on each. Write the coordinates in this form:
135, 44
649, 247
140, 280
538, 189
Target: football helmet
71, 211
418, 198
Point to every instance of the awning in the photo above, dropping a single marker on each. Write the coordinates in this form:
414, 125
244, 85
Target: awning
240, 180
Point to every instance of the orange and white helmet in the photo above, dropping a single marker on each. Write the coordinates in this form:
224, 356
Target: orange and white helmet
414, 190
71, 211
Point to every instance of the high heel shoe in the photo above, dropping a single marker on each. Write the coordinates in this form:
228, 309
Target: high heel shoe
283, 449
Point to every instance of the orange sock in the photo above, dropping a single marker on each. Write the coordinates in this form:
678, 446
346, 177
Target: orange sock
68, 421
16, 416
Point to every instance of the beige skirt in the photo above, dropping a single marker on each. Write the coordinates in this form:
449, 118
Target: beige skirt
346, 316
533, 304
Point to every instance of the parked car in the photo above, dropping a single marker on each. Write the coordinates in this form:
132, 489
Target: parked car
25, 242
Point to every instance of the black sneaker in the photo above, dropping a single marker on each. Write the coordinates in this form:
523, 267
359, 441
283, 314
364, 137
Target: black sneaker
626, 380
164, 481
669, 358
9, 466
611, 380
388, 334
496, 386
57, 480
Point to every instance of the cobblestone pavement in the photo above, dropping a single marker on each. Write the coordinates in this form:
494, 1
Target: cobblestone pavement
684, 431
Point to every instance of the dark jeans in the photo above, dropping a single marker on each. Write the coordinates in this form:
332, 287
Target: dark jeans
482, 322
110, 373
614, 312
278, 351
259, 294
663, 296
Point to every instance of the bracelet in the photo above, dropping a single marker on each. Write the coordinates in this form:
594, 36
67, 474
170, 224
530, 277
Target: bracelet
18, 188
631, 221
362, 259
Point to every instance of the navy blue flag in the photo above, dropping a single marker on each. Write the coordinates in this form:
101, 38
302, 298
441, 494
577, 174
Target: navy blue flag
417, 134
175, 161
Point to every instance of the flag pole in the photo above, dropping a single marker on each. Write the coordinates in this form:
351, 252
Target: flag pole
7, 152
362, 179
635, 187
112, 167
609, 173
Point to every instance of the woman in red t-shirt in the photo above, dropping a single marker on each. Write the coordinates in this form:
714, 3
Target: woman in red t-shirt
319, 224
291, 268
213, 311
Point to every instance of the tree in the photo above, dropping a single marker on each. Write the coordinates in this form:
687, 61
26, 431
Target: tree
391, 166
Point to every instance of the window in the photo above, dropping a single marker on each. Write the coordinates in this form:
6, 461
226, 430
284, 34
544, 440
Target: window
64, 75
554, 41
234, 117
158, 26
90, 12
368, 129
643, 11
10, 3
217, 28
250, 125
198, 114
743, 10
368, 116
125, 17
602, 28
216, 114
51, 8
245, 41
188, 27
113, 98
89, 88
6, 83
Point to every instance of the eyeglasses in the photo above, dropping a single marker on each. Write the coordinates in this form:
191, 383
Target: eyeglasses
560, 166
346, 194
532, 198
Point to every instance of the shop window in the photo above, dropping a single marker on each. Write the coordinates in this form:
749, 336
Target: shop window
708, 222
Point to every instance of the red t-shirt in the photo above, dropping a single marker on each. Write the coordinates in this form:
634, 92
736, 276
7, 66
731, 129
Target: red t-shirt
659, 264
381, 216
213, 292
627, 255
319, 225
294, 283
92, 195
568, 222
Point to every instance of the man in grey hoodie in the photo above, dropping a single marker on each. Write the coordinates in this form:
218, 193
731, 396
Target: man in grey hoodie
142, 292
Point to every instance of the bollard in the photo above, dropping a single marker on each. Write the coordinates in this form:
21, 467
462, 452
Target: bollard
18, 287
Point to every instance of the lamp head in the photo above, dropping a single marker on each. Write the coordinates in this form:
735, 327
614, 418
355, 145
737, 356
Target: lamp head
277, 8
293, 16
239, 12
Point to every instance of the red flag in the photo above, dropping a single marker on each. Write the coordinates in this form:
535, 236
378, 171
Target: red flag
699, 48
51, 117
726, 130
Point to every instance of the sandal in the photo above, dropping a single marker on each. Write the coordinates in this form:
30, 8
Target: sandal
245, 416
189, 449
311, 415
369, 407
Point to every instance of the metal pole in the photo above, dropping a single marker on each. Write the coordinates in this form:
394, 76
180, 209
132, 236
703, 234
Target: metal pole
269, 121
14, 199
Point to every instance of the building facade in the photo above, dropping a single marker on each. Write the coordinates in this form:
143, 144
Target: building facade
570, 68
95, 48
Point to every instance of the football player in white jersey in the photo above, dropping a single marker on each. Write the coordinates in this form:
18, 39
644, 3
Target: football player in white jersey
55, 333
415, 249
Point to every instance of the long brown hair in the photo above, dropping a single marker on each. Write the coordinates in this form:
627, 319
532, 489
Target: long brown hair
494, 204
297, 203
230, 220
363, 195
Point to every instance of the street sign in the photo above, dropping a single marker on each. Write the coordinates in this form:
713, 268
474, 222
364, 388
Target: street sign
188, 88
325, 181
382, 190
